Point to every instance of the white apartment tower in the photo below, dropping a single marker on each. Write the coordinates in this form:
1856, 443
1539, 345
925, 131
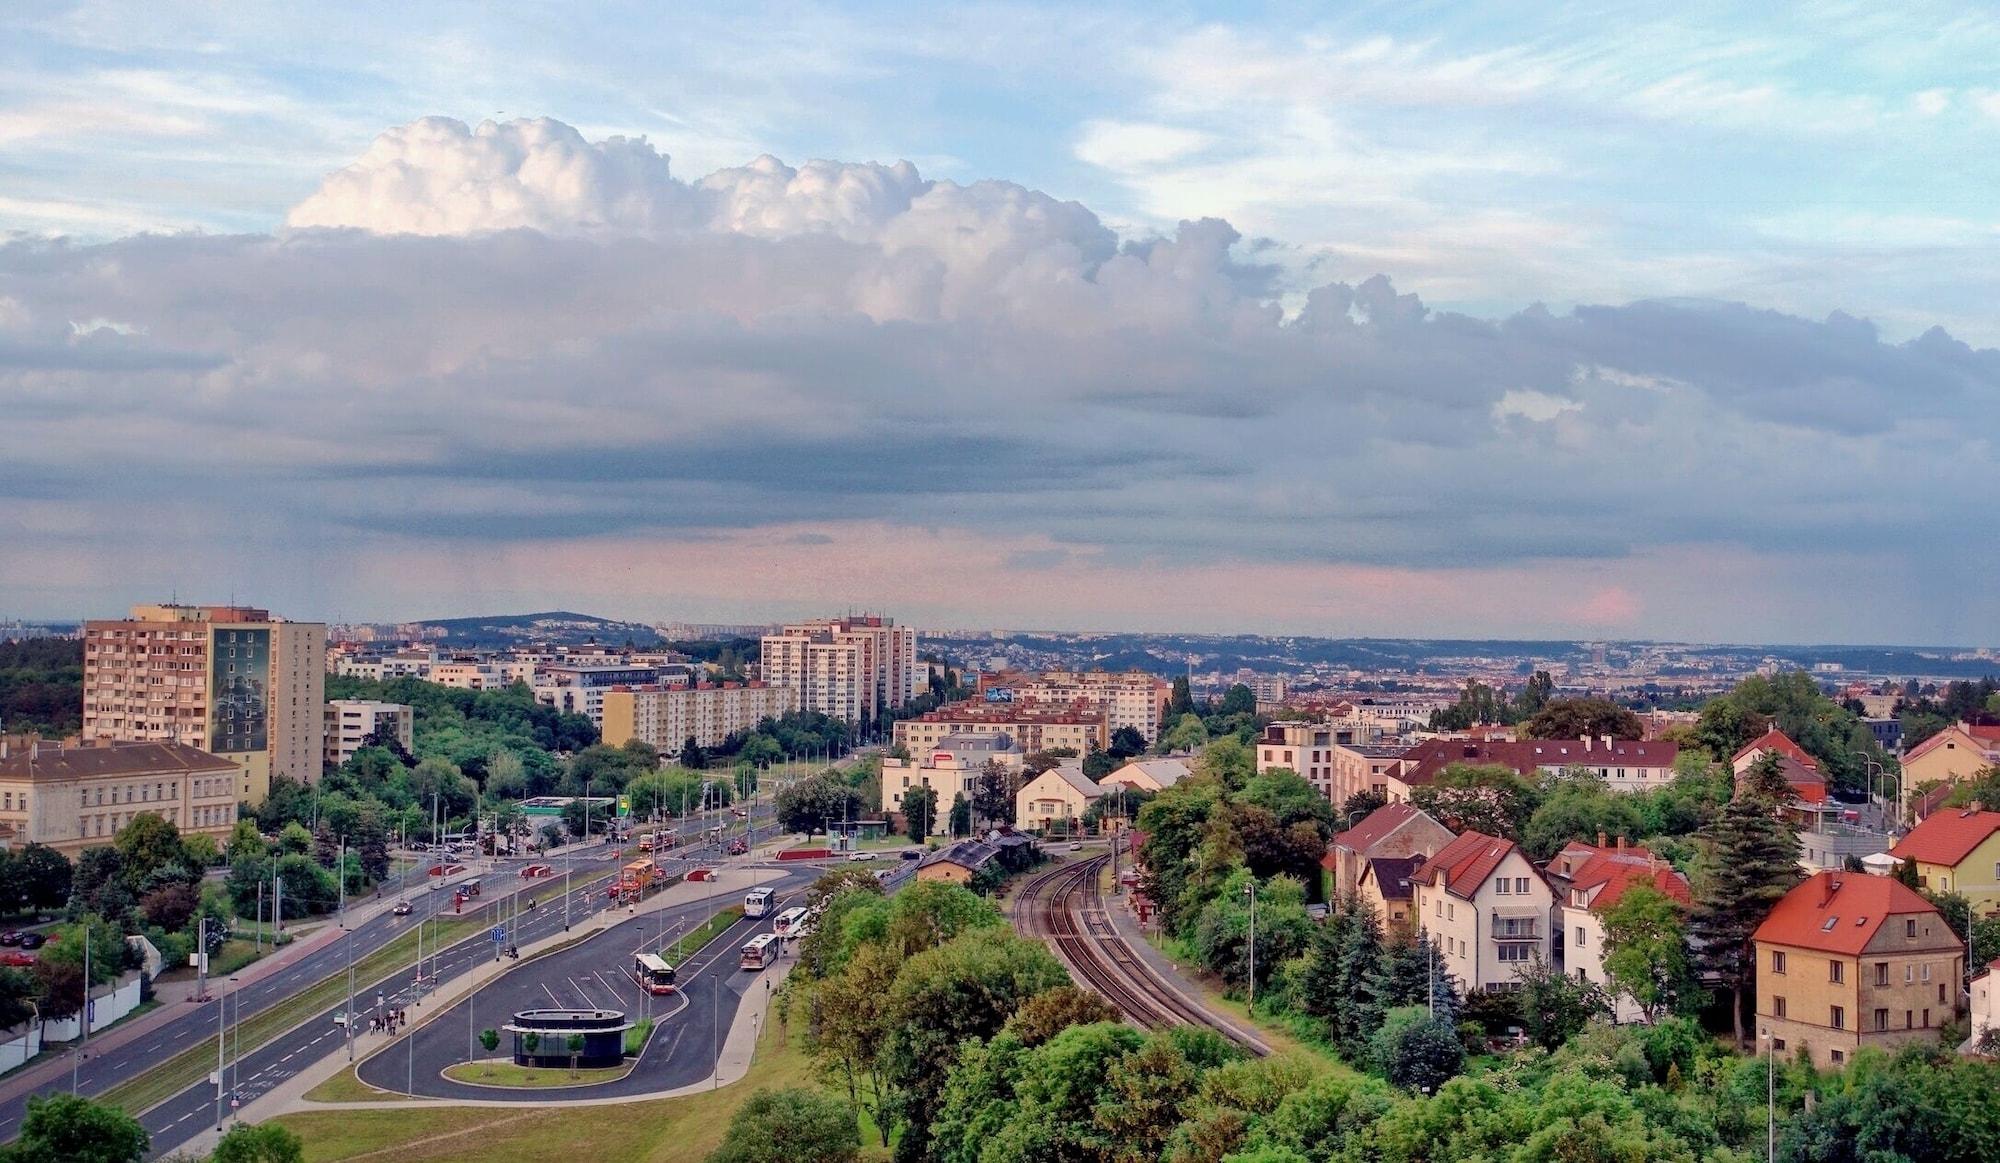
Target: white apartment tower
848, 668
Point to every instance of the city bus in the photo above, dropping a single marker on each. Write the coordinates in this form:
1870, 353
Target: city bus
761, 951
758, 901
653, 973
787, 920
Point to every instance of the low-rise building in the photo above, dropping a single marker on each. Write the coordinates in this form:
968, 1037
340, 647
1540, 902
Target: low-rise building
950, 769
1486, 908
958, 863
1060, 794
1385, 890
1624, 764
71, 796
1154, 775
1589, 880
1033, 727
350, 723
1985, 1006
1957, 850
1305, 749
1958, 751
1359, 767
1393, 830
1847, 960
1130, 698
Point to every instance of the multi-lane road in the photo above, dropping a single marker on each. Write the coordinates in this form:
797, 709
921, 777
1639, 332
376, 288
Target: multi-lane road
185, 1114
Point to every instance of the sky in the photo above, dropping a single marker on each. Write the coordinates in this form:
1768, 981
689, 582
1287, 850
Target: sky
1412, 319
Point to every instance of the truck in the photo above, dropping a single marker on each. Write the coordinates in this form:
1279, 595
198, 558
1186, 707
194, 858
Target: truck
634, 879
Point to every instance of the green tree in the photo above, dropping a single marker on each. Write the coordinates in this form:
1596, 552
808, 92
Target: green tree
1415, 1051
146, 845
808, 805
790, 1126
1582, 718
993, 795
1188, 733
65, 1128
1487, 798
1750, 861
43, 876
1052, 1011
1180, 700
259, 1143
574, 1044
961, 815
1126, 742
1553, 1006
1578, 806
920, 812
1646, 953
489, 1040
1238, 700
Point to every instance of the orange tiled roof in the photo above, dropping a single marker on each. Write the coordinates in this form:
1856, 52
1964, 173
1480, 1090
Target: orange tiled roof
1839, 912
1947, 837
1778, 741
1465, 863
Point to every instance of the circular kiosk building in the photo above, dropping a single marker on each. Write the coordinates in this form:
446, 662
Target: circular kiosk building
541, 1037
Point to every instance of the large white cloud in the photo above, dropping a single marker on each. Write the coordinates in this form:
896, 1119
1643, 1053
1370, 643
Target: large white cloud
523, 335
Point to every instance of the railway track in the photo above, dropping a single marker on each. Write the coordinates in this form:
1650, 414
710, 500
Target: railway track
1065, 908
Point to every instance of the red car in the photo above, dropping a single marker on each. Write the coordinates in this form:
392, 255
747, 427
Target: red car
16, 959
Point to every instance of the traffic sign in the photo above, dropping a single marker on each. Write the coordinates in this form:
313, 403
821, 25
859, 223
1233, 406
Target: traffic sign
499, 934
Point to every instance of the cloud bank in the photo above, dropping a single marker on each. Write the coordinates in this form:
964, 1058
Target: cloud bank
478, 339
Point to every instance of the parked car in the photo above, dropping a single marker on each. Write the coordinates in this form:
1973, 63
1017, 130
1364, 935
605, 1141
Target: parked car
402, 909
1076, 845
10, 937
860, 856
16, 959
33, 940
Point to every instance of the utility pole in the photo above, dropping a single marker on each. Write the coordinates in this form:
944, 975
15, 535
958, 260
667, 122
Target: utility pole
349, 1021
341, 874
1250, 890
82, 1014
221, 1042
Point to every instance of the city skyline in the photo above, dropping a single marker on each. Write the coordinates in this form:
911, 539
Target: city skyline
1161, 351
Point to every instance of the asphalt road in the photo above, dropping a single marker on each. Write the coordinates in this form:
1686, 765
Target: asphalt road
594, 975
173, 1122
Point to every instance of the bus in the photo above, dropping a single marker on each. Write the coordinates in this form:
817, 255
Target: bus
787, 920
758, 901
761, 951
653, 973
470, 888
661, 841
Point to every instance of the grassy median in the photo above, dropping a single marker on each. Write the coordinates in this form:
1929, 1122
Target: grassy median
194, 1064
694, 941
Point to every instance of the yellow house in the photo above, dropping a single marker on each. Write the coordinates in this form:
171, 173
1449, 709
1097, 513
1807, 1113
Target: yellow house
1957, 850
1959, 750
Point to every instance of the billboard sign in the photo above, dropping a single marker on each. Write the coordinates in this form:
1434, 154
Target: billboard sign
999, 694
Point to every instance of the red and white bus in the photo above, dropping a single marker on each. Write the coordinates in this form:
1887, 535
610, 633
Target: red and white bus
787, 921
761, 951
653, 973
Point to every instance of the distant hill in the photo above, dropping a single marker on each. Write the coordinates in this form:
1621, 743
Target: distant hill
558, 627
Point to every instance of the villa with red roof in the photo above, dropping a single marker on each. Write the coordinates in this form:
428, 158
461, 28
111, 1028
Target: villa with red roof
1957, 850
1848, 960
1625, 764
1801, 770
1390, 830
1591, 878
1486, 907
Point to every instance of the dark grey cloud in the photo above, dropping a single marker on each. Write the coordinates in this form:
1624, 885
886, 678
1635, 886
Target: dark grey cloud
776, 345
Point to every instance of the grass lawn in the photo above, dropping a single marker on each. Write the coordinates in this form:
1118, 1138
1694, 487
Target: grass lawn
503, 1072
234, 955
670, 1130
346, 1086
691, 943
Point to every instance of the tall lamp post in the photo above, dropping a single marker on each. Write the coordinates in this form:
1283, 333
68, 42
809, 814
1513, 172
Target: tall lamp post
1770, 1094
1250, 890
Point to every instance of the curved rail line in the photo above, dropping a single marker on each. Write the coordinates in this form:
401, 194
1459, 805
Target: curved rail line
1065, 908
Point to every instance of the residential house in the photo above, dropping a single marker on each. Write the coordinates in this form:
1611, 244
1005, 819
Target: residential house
1848, 960
1958, 751
1957, 850
1385, 890
1359, 767
1985, 1005
1062, 793
1589, 880
950, 769
1392, 830
1156, 774
958, 863
1486, 908
1624, 764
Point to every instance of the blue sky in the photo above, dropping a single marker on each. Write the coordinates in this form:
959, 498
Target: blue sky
1633, 319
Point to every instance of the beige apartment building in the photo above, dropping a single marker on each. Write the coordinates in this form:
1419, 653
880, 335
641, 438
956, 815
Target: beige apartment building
1848, 960
849, 668
668, 716
1130, 698
350, 722
78, 795
229, 680
1033, 728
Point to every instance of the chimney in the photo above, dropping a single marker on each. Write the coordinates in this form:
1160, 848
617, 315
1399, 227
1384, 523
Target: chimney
1607, 742
1621, 841
1602, 839
1585, 740
1832, 886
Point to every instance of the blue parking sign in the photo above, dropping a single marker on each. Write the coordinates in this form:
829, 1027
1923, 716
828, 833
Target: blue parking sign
499, 934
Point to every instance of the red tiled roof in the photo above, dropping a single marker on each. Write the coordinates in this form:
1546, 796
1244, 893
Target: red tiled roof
1844, 920
1778, 741
1465, 863
1375, 826
1947, 837
1613, 871
1424, 761
1984, 732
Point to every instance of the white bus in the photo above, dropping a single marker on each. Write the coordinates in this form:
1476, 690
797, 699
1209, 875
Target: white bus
653, 973
761, 951
788, 920
758, 901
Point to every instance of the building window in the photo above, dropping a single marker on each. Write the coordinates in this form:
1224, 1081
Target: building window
1836, 1017
1579, 936
1926, 972
1838, 1057
1777, 961
1927, 1017
1881, 1019
1513, 953
1836, 972
1909, 974
1940, 993
1521, 885
1778, 1044
1503, 887
1881, 973
1777, 1006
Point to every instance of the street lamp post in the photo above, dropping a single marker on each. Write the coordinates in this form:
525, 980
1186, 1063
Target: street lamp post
1250, 890
1770, 1094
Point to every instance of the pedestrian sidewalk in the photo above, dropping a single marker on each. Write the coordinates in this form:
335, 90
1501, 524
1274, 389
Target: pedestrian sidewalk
738, 1049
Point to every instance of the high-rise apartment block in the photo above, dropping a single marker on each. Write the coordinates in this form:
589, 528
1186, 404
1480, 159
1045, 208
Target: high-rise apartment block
229, 680
849, 668
668, 716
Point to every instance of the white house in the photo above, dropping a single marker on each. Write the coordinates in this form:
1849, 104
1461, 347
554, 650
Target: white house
1591, 878
1486, 907
1157, 774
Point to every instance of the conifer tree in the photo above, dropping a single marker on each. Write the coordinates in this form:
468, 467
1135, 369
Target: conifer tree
1752, 860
